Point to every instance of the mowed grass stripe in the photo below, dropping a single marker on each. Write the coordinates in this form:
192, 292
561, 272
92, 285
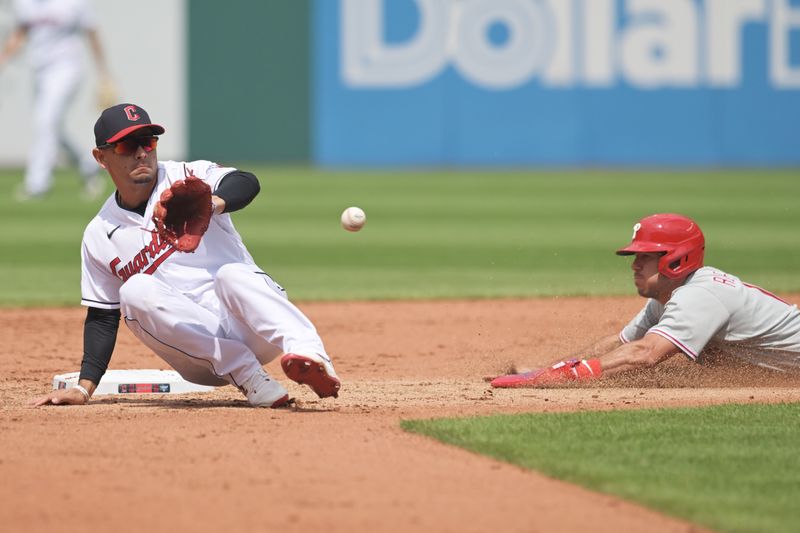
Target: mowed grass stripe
443, 234
732, 468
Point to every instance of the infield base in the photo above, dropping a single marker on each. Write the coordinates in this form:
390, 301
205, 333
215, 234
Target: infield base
139, 381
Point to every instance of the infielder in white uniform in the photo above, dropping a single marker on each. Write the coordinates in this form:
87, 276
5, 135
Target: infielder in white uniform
213, 315
54, 30
691, 310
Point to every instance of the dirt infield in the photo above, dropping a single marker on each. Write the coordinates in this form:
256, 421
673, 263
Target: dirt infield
207, 462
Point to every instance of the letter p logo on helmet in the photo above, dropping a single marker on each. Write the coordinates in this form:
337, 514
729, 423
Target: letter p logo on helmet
636, 228
676, 237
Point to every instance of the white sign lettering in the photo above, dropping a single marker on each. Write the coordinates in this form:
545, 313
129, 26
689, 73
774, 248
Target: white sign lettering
569, 43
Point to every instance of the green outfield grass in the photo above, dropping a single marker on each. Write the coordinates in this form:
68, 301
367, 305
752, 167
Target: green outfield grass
731, 468
474, 234
443, 234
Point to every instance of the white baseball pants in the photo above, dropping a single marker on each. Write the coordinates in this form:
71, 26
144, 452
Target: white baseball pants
247, 321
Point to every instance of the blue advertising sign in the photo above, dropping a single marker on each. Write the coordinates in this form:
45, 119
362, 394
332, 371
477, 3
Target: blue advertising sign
557, 82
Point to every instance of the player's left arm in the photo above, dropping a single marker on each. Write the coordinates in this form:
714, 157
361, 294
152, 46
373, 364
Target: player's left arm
690, 318
107, 94
646, 352
235, 191
13, 44
184, 211
98, 54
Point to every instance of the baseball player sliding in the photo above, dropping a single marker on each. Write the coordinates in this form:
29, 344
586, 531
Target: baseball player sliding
690, 308
163, 254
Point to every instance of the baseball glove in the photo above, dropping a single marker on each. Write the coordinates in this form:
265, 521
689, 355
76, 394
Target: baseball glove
559, 373
183, 213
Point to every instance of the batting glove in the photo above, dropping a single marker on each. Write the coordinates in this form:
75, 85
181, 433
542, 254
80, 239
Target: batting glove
561, 372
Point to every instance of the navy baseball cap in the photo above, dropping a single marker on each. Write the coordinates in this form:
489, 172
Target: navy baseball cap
120, 121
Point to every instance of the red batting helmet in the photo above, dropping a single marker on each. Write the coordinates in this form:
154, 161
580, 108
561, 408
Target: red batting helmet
677, 236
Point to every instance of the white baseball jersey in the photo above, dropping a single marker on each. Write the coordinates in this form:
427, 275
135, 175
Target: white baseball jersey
54, 29
119, 243
713, 307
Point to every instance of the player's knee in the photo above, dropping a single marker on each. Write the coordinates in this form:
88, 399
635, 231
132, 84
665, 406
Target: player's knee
231, 275
239, 278
231, 271
135, 292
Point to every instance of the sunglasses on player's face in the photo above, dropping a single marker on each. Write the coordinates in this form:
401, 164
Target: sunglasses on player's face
130, 145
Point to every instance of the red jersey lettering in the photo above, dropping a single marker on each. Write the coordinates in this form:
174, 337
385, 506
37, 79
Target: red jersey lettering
147, 260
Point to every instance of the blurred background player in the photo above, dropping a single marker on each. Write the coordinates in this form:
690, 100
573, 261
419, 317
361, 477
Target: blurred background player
690, 308
53, 31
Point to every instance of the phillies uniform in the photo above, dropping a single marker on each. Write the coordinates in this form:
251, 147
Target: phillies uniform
55, 48
213, 315
716, 309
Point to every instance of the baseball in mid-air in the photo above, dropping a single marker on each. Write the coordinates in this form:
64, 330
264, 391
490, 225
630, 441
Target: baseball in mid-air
353, 218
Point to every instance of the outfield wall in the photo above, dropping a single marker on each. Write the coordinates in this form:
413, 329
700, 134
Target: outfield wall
557, 82
343, 83
249, 80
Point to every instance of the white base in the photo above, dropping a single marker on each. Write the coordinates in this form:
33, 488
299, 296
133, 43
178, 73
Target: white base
135, 382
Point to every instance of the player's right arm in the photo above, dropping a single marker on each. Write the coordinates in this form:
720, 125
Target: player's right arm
71, 396
100, 295
99, 338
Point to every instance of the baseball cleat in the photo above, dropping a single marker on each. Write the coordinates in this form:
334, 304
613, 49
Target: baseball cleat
280, 402
263, 391
315, 371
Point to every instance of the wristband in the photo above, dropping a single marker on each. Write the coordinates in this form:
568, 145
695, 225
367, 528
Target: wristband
83, 391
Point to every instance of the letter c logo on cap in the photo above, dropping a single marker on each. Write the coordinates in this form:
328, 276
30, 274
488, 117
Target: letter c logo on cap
130, 112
